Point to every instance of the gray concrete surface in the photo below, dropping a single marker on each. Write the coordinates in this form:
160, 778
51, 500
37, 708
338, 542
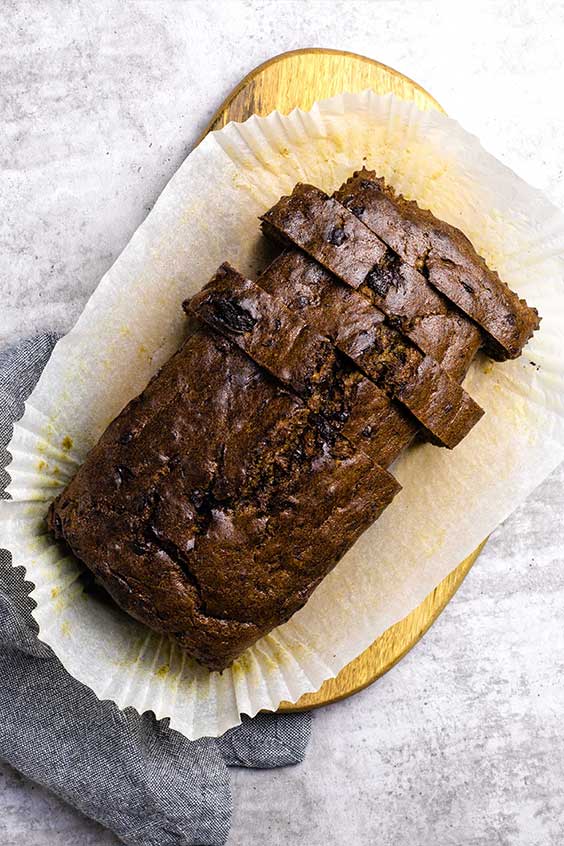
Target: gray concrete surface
461, 744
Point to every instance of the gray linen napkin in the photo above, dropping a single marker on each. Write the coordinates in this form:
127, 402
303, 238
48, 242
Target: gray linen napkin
132, 773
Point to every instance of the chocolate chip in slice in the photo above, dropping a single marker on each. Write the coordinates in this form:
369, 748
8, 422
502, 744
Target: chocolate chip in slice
337, 236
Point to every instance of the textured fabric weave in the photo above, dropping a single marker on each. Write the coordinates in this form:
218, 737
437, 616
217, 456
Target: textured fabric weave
136, 776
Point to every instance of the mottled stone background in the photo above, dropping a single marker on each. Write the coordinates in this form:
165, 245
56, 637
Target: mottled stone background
462, 743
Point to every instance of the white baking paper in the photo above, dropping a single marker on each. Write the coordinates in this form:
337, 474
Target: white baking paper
133, 322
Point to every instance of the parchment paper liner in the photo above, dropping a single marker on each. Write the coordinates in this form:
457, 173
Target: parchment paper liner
133, 322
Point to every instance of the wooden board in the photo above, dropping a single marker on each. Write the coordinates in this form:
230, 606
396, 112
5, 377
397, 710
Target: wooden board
298, 79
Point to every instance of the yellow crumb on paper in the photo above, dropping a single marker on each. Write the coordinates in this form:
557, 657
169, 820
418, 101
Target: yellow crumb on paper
66, 443
55, 592
163, 671
437, 174
241, 666
432, 541
65, 630
278, 656
238, 182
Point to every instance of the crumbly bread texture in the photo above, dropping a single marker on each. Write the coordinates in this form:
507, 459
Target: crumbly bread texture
419, 270
342, 244
445, 256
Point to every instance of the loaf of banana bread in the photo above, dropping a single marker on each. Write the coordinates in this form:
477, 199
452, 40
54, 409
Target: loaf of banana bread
221, 496
216, 502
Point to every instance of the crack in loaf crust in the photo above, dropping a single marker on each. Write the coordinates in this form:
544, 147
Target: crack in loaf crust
215, 503
280, 341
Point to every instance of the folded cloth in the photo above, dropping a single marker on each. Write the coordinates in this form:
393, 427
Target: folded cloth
130, 772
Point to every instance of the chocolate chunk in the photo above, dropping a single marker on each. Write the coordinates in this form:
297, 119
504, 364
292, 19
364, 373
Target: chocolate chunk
337, 236
123, 474
231, 314
384, 275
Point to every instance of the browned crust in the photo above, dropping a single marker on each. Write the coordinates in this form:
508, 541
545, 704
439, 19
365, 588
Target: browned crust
215, 503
